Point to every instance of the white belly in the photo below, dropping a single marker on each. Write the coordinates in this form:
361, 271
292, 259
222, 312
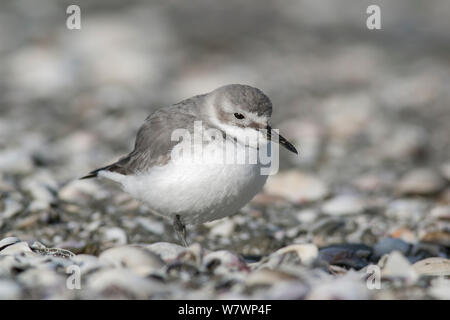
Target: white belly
197, 192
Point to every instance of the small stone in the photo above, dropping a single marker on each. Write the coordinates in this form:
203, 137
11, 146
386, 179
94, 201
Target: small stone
407, 209
16, 248
142, 262
267, 277
116, 235
387, 245
307, 216
308, 135
37, 245
221, 228
369, 183
7, 242
12, 207
346, 287
440, 212
441, 237
88, 263
193, 254
296, 186
395, 265
423, 250
445, 169
420, 182
307, 252
433, 267
224, 262
122, 283
78, 191
445, 196
440, 288
9, 290
343, 205
286, 290
355, 112
42, 188
167, 251
41, 278
149, 225
404, 234
354, 256
15, 160
265, 199
407, 142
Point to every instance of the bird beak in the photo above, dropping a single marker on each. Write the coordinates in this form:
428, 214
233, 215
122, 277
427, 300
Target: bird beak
273, 136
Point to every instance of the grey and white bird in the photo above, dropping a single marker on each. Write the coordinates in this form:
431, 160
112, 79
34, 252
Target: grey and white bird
189, 192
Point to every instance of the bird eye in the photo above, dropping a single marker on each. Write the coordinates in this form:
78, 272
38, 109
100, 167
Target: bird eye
239, 116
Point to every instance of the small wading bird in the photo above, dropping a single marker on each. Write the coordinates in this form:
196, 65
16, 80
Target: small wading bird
193, 193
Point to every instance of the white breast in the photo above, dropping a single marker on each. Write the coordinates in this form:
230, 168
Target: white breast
198, 192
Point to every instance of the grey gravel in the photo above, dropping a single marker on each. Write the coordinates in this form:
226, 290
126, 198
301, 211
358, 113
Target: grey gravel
368, 112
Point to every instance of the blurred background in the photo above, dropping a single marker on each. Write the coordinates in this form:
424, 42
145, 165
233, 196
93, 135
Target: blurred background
369, 111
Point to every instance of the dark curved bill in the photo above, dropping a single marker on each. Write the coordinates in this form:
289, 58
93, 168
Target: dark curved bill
275, 137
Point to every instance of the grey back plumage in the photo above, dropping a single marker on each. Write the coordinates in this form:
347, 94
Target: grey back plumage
153, 143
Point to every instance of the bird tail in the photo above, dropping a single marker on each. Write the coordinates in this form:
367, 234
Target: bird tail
93, 174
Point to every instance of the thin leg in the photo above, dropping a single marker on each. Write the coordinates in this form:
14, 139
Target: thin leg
180, 229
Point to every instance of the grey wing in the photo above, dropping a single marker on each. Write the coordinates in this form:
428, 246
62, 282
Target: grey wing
153, 141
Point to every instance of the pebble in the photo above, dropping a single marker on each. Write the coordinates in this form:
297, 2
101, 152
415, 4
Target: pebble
360, 165
286, 290
307, 215
116, 235
142, 262
222, 227
343, 205
404, 234
354, 256
296, 186
42, 278
387, 245
433, 267
12, 207
167, 251
440, 212
9, 290
16, 248
7, 242
307, 252
267, 277
396, 265
123, 283
407, 209
347, 287
406, 142
89, 263
42, 188
79, 191
15, 160
150, 225
308, 136
441, 237
445, 169
224, 262
370, 182
440, 289
420, 182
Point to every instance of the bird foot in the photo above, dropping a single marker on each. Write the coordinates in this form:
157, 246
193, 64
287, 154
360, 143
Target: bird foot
180, 229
